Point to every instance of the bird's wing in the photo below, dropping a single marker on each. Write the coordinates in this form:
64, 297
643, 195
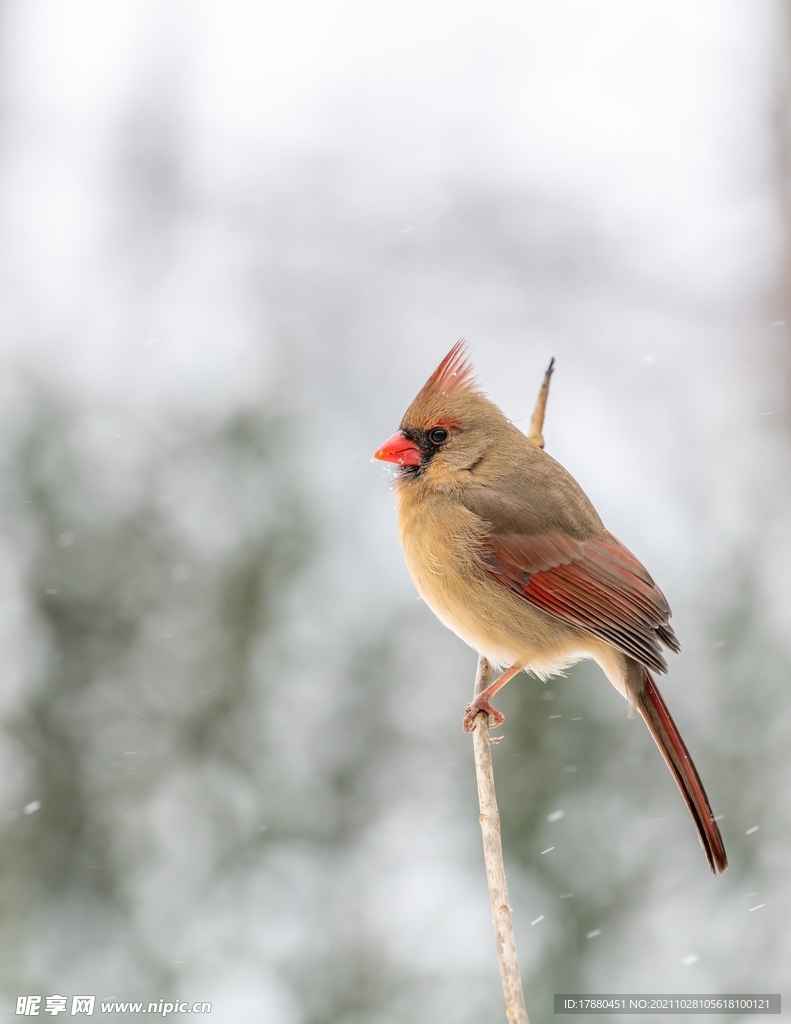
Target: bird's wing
595, 584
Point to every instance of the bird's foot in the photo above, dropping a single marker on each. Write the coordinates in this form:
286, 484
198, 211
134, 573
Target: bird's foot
479, 705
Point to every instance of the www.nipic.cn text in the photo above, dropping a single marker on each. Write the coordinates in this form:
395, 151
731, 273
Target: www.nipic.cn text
31, 1006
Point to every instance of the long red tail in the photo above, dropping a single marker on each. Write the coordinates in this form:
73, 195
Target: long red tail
673, 749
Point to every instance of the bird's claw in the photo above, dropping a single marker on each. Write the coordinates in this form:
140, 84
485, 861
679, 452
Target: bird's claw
477, 707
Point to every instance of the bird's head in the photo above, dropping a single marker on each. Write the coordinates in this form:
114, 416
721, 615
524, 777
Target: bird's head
446, 431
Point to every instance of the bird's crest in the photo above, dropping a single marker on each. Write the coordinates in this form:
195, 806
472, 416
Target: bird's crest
454, 373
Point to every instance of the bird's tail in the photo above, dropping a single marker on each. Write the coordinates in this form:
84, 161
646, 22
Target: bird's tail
667, 737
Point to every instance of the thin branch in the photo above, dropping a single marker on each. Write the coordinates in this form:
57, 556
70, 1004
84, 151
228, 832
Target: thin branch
515, 1009
535, 433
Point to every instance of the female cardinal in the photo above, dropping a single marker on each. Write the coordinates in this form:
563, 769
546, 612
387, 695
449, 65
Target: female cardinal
507, 551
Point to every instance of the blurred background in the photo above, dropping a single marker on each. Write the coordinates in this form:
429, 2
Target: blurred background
235, 239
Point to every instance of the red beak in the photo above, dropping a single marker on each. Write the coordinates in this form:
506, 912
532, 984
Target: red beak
399, 449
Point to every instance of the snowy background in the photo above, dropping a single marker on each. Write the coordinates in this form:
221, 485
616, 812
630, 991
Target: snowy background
235, 239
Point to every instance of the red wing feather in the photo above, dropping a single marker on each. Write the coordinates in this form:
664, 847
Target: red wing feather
597, 585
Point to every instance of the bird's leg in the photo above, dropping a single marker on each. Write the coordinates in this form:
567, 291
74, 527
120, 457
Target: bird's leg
481, 702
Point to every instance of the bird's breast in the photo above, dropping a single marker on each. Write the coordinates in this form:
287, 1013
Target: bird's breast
440, 539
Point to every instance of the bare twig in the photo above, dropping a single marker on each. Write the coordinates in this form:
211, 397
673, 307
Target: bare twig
515, 1010
535, 433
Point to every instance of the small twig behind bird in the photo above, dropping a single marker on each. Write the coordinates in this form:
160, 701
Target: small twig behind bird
536, 431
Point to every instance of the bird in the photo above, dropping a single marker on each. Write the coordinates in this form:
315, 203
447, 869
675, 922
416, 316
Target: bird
508, 551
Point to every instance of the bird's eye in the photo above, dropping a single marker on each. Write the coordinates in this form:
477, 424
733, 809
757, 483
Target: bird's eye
438, 435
